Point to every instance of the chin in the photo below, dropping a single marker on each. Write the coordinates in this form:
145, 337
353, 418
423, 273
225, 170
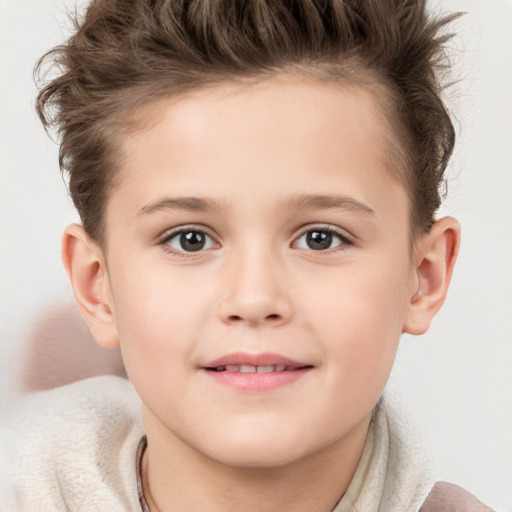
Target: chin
259, 451
256, 460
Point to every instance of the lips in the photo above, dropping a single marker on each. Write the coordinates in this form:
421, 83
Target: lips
255, 372
247, 368
266, 359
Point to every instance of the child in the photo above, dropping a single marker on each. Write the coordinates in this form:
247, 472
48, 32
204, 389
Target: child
257, 183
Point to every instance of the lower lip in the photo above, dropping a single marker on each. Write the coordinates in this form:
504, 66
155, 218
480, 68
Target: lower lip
257, 381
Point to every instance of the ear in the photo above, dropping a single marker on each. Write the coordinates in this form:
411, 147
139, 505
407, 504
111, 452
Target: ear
435, 257
86, 267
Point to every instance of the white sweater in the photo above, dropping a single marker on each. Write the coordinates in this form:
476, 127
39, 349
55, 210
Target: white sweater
74, 449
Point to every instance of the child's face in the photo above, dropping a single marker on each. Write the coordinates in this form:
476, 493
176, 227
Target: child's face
260, 225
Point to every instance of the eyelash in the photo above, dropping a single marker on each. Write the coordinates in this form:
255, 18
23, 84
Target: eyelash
345, 241
168, 236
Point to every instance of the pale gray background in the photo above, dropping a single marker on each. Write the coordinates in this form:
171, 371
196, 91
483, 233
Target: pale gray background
456, 381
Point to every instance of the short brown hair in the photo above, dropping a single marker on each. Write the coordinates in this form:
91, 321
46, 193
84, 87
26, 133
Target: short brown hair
126, 53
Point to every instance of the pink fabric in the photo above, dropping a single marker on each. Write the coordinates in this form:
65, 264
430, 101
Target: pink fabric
61, 350
446, 497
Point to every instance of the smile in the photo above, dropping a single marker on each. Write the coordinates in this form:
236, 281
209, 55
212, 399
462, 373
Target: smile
247, 368
255, 372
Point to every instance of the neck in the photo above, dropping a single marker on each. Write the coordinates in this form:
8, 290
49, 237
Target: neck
176, 477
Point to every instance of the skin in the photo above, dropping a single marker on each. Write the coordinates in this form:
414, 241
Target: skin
256, 156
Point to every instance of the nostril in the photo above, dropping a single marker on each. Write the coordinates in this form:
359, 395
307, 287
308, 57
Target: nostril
237, 318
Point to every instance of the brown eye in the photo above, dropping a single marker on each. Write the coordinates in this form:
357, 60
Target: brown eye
320, 240
190, 241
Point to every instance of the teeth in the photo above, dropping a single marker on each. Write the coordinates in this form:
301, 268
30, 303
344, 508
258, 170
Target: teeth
247, 368
264, 369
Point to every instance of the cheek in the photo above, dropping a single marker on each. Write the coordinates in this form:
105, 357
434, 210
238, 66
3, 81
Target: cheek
159, 316
159, 333
359, 317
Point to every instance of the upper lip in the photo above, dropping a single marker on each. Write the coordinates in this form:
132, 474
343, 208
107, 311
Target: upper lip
262, 359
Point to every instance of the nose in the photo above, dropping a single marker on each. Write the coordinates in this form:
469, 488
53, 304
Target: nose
255, 291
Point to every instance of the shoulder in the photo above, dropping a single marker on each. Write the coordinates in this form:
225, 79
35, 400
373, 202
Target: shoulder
87, 406
446, 497
74, 442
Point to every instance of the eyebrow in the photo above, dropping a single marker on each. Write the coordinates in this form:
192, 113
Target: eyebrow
302, 202
187, 204
321, 202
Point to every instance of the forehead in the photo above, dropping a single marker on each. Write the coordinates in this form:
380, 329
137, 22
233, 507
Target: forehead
280, 105
283, 134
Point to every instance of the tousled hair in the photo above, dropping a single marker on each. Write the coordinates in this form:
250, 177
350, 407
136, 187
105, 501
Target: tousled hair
125, 54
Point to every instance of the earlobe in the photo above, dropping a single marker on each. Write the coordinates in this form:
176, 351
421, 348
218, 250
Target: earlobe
435, 259
87, 272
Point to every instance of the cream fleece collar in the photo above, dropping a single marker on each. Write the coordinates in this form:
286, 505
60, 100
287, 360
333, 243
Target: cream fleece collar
74, 448
391, 475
